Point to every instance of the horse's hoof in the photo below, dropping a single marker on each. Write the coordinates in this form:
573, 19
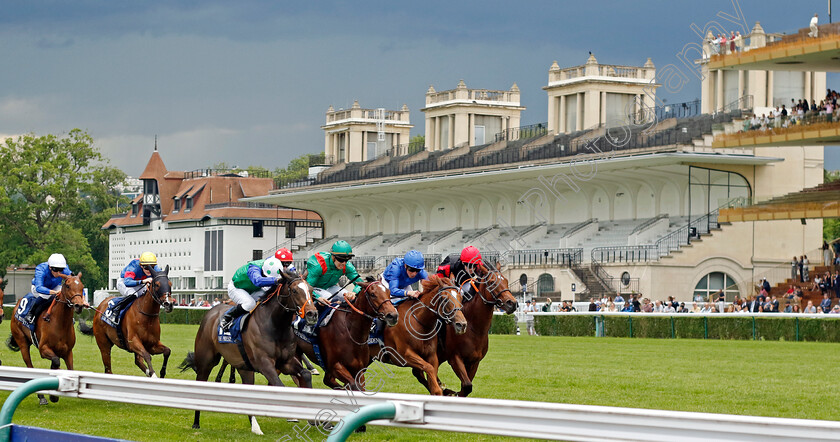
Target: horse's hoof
196, 427
42, 401
361, 429
314, 372
448, 392
53, 399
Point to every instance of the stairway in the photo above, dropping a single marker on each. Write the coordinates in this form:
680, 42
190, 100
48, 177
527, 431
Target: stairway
595, 287
814, 296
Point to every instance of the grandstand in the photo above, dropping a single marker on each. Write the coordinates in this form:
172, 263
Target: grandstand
615, 207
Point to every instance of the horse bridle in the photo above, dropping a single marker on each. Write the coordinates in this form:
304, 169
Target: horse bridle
154, 294
454, 310
377, 309
69, 302
496, 301
281, 296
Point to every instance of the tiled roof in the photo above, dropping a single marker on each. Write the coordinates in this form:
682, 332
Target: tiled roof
215, 196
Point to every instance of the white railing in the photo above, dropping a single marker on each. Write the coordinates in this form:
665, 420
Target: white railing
540, 420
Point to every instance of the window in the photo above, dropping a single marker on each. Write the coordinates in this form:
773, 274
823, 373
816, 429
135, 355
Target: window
545, 284
709, 285
256, 255
258, 229
177, 204
290, 229
189, 204
213, 250
133, 209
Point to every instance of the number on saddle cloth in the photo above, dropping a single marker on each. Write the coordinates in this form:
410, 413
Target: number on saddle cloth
233, 335
30, 304
113, 318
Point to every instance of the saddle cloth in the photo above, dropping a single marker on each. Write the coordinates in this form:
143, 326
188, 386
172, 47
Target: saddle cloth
112, 318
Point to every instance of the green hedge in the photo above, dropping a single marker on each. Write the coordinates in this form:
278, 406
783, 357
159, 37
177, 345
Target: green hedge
694, 327
503, 325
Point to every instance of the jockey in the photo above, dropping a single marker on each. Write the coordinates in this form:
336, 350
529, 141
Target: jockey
135, 278
460, 267
402, 272
285, 257
47, 282
249, 283
325, 268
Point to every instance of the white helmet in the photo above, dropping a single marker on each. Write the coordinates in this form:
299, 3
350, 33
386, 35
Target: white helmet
57, 260
272, 267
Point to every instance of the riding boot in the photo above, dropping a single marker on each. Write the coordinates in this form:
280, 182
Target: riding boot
228, 318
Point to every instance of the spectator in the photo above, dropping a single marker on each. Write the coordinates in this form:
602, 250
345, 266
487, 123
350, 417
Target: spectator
794, 266
628, 307
695, 308
647, 306
619, 301
796, 308
547, 306
732, 42
788, 308
216, 302
806, 268
814, 29
682, 308
754, 305
826, 254
801, 268
674, 303
592, 306
668, 308
835, 284
611, 307
825, 305
835, 310
530, 307
634, 300
698, 297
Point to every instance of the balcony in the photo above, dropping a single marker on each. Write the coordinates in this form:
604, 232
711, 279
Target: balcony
796, 51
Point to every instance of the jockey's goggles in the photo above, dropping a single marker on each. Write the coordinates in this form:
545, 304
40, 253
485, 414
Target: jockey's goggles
343, 258
411, 269
56, 269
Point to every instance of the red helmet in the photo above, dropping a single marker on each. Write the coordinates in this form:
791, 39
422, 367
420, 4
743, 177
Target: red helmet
471, 255
283, 255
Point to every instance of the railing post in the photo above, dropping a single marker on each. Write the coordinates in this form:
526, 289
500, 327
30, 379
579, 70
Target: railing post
351, 422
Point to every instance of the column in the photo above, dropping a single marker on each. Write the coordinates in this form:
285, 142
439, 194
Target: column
741, 84
718, 91
770, 95
451, 130
579, 118
365, 147
437, 139
471, 129
808, 92
603, 114
553, 125
562, 115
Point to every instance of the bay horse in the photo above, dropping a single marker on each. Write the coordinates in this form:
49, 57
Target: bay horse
268, 341
56, 337
414, 338
139, 327
343, 341
464, 352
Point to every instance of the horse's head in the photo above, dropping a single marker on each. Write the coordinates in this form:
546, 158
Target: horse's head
445, 299
162, 289
72, 292
378, 298
496, 286
301, 295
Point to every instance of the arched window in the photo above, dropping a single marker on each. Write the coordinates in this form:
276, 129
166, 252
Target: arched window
545, 284
710, 284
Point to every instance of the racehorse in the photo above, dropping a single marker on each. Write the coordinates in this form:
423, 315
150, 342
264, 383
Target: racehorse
139, 328
268, 341
56, 337
343, 341
465, 351
414, 338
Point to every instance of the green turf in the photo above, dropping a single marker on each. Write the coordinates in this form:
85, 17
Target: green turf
764, 378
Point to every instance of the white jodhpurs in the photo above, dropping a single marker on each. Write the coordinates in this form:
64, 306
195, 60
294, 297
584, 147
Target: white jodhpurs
330, 292
241, 297
137, 290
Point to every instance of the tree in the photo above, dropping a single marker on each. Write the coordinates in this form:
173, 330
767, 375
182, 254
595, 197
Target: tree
55, 194
831, 226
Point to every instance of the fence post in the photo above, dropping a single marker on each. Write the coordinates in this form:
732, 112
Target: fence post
630, 318
753, 327
797, 328
599, 327
673, 334
14, 399
705, 327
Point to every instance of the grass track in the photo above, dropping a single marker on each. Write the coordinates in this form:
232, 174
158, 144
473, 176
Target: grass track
784, 379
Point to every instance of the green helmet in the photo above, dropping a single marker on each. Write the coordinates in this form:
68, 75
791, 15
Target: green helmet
341, 248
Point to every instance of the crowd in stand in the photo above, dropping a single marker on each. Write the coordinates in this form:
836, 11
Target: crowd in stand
721, 44
799, 112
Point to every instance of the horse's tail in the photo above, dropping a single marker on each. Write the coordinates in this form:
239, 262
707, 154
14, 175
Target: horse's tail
85, 328
11, 343
188, 362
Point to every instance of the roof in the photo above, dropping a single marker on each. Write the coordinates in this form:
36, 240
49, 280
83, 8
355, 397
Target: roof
213, 196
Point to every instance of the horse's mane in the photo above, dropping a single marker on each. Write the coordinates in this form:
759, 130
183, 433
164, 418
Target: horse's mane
434, 281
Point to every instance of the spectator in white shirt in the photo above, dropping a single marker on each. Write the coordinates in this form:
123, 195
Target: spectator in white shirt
814, 30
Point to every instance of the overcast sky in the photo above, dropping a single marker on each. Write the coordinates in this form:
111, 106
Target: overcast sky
249, 82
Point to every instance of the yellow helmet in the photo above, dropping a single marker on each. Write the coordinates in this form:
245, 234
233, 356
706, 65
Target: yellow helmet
148, 259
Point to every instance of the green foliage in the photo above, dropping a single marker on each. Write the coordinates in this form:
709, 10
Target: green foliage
503, 325
831, 226
694, 327
55, 194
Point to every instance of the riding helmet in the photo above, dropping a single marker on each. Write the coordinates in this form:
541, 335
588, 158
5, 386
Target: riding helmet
415, 259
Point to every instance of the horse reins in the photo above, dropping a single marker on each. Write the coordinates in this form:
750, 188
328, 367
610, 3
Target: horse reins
154, 296
433, 310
